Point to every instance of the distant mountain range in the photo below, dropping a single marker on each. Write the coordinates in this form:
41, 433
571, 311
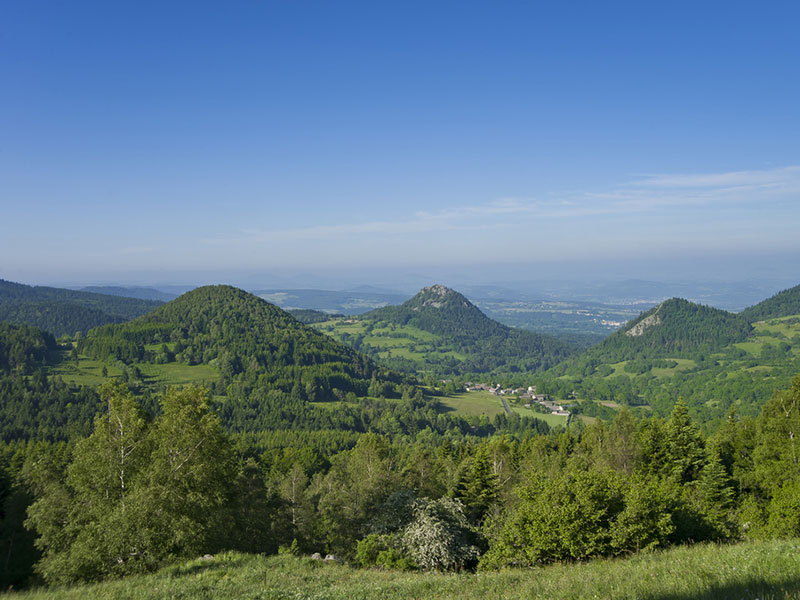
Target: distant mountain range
350, 302
728, 295
142, 293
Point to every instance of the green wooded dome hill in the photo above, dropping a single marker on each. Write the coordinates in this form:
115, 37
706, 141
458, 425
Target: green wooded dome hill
265, 357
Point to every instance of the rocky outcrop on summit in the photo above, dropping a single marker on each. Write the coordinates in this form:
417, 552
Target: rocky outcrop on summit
438, 295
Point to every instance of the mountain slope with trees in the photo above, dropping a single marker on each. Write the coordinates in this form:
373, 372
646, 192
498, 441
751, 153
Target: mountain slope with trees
717, 361
33, 405
65, 312
253, 344
674, 328
782, 304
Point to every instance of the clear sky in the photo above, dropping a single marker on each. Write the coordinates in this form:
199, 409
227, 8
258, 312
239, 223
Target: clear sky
154, 141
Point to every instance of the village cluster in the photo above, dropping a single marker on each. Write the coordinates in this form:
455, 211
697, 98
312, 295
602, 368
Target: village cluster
529, 394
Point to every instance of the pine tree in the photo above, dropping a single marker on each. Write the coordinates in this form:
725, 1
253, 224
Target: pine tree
478, 487
715, 498
777, 452
684, 445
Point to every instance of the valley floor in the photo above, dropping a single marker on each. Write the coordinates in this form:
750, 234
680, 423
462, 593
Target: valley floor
763, 570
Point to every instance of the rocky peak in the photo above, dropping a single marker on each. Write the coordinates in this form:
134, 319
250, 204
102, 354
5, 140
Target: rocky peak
437, 296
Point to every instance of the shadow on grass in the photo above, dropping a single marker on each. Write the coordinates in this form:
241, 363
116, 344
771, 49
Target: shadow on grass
786, 588
201, 565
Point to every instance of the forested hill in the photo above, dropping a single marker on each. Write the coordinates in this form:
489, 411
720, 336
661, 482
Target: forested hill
270, 364
782, 304
487, 344
442, 311
674, 328
61, 311
225, 326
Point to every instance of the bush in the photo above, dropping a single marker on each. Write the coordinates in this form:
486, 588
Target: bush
440, 538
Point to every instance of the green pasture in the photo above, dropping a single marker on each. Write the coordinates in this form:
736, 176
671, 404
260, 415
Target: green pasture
389, 340
475, 404
785, 326
619, 369
89, 371
552, 420
684, 364
178, 373
86, 372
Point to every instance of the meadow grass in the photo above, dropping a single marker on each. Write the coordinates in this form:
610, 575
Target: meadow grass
552, 420
787, 326
473, 404
391, 341
179, 373
89, 371
764, 570
483, 403
619, 369
684, 364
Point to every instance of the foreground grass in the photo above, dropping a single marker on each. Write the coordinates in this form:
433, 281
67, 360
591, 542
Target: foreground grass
763, 570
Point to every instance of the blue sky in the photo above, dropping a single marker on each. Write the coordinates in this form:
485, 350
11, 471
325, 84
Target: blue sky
157, 141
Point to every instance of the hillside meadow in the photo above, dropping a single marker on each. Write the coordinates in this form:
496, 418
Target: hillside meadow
750, 570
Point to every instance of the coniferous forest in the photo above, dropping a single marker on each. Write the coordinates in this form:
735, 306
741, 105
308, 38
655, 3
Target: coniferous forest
291, 442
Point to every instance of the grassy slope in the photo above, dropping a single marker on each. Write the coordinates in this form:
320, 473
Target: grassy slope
89, 371
484, 403
764, 570
389, 340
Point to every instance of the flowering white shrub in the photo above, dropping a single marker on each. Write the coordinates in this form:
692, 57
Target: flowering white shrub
440, 537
